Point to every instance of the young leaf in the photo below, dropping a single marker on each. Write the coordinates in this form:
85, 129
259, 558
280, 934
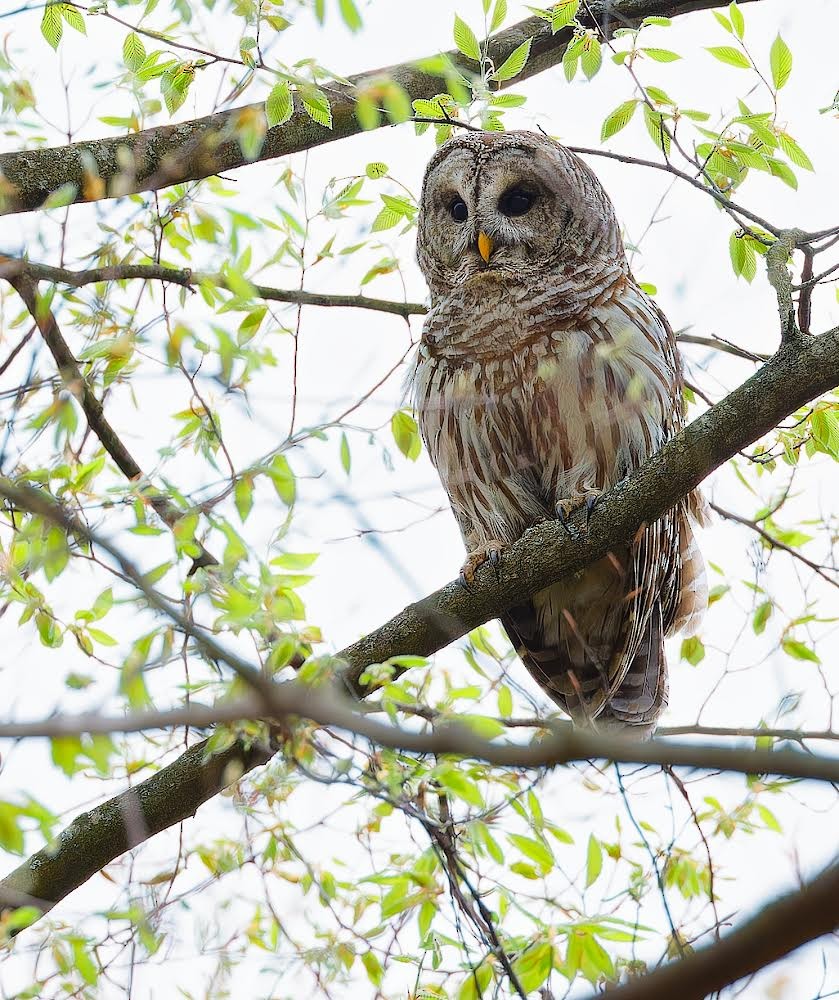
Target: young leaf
737, 21
661, 55
780, 62
563, 14
52, 25
133, 51
406, 434
279, 105
594, 860
498, 14
514, 63
798, 651
728, 54
618, 119
316, 106
693, 650
465, 40
592, 58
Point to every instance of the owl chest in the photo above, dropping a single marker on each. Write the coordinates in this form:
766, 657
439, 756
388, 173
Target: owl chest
567, 412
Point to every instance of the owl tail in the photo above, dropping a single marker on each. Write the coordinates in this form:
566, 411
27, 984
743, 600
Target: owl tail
634, 706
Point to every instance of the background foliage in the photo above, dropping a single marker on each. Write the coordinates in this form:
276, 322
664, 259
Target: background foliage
268, 432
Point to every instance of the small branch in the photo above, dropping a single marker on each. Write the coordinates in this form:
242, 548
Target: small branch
780, 928
773, 542
75, 382
9, 267
777, 257
718, 344
668, 168
757, 732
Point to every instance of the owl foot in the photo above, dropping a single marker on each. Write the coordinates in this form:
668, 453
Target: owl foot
491, 551
567, 506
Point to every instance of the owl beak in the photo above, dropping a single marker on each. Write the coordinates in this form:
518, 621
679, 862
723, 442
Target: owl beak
484, 246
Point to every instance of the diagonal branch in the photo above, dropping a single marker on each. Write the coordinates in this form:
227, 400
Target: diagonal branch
546, 553
171, 154
76, 383
778, 929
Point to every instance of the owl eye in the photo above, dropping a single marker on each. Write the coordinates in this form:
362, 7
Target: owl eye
458, 210
516, 201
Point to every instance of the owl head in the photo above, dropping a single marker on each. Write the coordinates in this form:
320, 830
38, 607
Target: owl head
514, 205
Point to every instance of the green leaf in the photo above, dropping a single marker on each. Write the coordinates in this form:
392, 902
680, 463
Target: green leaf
279, 105
346, 459
376, 170
594, 860
350, 14
459, 784
693, 650
514, 63
729, 55
133, 51
373, 967
592, 58
465, 40
74, 18
662, 55
174, 87
783, 172
761, 617
655, 122
243, 497
534, 966
406, 434
737, 21
723, 20
534, 849
505, 702
798, 651
618, 119
499, 14
743, 257
52, 25
563, 14
780, 62
316, 106
794, 152
386, 219
824, 426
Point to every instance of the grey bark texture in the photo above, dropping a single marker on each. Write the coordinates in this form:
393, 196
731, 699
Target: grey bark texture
170, 154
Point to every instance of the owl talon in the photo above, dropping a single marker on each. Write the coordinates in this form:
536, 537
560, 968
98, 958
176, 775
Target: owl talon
562, 517
488, 551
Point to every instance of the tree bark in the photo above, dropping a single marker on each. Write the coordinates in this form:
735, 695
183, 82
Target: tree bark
171, 154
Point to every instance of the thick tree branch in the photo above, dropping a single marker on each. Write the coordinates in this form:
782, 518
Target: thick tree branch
76, 383
778, 929
170, 154
546, 553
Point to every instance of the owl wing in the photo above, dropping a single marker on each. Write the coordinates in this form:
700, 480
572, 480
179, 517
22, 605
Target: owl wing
596, 643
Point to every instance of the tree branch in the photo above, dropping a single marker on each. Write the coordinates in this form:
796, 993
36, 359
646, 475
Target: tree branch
11, 266
76, 383
171, 154
778, 929
546, 553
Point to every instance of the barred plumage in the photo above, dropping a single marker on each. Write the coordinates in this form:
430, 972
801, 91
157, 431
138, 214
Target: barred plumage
544, 376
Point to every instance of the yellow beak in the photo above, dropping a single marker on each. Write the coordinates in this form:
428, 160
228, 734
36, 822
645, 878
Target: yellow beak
484, 246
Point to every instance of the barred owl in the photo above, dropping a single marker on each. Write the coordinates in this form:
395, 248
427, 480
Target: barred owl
543, 377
